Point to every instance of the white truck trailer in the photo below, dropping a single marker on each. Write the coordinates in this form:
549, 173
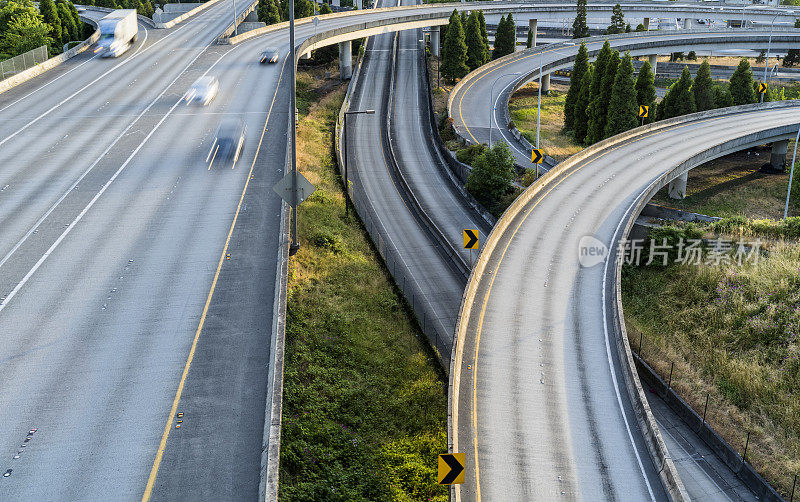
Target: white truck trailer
118, 31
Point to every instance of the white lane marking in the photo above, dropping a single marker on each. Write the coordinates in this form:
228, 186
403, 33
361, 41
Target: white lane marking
608, 343
67, 73
138, 52
110, 181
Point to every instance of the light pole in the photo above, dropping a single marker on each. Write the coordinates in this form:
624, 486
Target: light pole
769, 46
293, 129
791, 174
344, 140
234, 18
492, 107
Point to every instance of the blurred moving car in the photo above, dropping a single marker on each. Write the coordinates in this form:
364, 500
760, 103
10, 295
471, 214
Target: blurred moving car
228, 142
271, 55
202, 91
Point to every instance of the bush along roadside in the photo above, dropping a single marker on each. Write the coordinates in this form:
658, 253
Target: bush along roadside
365, 406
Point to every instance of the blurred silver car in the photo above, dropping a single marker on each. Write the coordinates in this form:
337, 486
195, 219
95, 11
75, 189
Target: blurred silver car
271, 55
228, 142
202, 91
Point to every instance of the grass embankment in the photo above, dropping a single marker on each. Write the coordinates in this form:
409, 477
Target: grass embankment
364, 410
553, 140
732, 332
734, 186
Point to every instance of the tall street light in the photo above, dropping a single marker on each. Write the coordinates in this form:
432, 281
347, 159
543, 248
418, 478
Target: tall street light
791, 173
295, 245
344, 140
769, 45
492, 105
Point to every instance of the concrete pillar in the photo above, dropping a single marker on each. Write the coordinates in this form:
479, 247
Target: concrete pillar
337, 3
653, 59
687, 24
435, 44
359, 4
532, 25
251, 18
778, 156
345, 60
677, 187
646, 24
546, 84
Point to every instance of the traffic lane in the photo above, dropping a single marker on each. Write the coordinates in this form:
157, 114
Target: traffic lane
417, 157
158, 183
216, 455
435, 287
79, 159
585, 217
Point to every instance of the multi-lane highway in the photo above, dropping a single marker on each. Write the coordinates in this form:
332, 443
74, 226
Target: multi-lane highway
137, 284
114, 271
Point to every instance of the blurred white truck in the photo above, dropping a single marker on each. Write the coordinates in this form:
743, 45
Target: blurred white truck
118, 31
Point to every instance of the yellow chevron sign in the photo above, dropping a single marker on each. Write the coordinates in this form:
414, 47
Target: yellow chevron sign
643, 111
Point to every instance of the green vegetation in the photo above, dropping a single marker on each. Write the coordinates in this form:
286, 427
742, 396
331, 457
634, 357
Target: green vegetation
492, 177
554, 139
732, 333
364, 408
741, 86
622, 107
575, 78
24, 28
703, 88
598, 109
617, 21
505, 39
476, 50
646, 91
793, 55
679, 99
579, 27
454, 50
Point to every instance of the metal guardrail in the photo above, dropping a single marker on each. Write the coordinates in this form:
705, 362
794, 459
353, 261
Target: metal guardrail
22, 62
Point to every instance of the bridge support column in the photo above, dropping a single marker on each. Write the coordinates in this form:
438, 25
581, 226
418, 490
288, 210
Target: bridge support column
646, 24
359, 4
435, 44
546, 84
337, 3
677, 187
687, 24
653, 59
533, 24
778, 156
345, 60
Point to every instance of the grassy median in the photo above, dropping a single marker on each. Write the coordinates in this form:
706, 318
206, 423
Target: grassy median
365, 408
732, 333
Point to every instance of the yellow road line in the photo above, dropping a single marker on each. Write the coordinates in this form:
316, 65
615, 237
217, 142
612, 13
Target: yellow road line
162, 446
474, 412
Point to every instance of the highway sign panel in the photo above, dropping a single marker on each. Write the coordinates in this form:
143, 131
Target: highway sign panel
643, 111
762, 87
470, 238
537, 155
451, 468
284, 188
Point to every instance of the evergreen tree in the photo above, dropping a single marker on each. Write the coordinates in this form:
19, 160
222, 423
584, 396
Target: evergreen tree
793, 55
474, 42
487, 54
722, 97
50, 16
505, 39
622, 107
323, 9
25, 32
575, 79
741, 86
268, 12
703, 88
454, 52
10, 10
680, 99
646, 91
640, 27
302, 8
579, 28
617, 21
69, 31
580, 121
598, 110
